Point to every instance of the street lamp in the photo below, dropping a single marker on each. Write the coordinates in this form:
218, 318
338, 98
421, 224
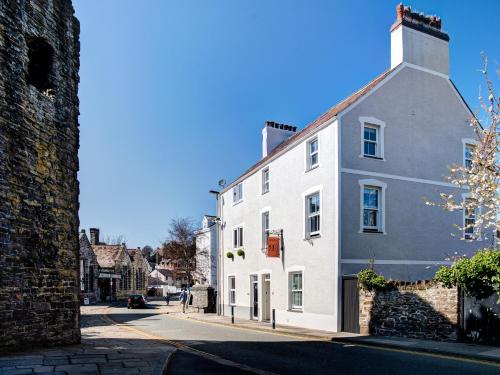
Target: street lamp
218, 222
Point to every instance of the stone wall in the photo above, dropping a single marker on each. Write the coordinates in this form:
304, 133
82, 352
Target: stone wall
39, 140
423, 310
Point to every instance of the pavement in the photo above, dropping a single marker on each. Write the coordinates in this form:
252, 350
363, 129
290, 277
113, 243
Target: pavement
461, 350
105, 349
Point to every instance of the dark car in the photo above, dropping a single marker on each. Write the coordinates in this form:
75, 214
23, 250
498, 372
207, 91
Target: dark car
136, 300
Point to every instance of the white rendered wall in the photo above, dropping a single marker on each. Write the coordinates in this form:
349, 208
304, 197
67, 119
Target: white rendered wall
289, 183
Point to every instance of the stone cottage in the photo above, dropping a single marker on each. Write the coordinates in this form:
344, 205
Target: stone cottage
89, 270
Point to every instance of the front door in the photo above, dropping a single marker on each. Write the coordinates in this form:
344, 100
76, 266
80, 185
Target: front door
255, 297
266, 301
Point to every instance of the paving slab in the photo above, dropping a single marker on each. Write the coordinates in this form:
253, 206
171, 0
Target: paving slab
105, 349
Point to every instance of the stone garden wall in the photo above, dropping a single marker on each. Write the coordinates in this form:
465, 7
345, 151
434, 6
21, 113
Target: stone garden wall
423, 310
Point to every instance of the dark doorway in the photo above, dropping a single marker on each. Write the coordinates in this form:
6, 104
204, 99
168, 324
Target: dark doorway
350, 304
255, 297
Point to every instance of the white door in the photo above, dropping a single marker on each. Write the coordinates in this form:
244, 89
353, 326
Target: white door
266, 297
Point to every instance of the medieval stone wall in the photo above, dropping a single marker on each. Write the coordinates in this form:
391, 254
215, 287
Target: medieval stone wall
422, 310
39, 261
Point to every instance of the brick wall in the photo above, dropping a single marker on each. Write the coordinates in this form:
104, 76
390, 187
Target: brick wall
423, 310
39, 140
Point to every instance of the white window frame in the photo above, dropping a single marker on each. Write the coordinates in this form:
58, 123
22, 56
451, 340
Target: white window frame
237, 193
379, 125
382, 186
238, 236
311, 191
232, 291
310, 215
467, 142
265, 181
291, 291
264, 230
309, 155
476, 235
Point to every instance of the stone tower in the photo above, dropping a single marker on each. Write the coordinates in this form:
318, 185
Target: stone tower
39, 62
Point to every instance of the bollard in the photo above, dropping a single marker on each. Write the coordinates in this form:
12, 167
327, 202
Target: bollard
232, 314
274, 319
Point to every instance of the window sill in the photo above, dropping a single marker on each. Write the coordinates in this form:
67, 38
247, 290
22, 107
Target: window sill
372, 231
295, 310
309, 169
313, 237
265, 192
372, 157
236, 203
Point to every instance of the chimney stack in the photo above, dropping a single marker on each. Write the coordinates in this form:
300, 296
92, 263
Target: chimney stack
274, 134
94, 236
417, 39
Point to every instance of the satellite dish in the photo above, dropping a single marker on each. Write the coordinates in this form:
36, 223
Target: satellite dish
222, 183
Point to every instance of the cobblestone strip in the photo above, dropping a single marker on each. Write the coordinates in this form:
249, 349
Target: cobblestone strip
105, 349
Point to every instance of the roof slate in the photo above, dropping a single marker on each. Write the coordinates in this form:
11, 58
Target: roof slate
107, 254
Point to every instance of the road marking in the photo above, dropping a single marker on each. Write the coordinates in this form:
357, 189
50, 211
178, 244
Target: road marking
302, 338
333, 341
185, 348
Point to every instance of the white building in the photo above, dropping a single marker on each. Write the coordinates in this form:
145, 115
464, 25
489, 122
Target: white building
206, 252
348, 188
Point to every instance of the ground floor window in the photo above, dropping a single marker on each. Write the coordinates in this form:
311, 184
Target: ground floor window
295, 290
232, 290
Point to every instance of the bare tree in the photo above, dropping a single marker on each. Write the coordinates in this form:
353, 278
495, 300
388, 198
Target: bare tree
181, 245
115, 239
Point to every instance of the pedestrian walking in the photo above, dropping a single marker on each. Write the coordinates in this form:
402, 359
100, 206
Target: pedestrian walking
183, 297
167, 298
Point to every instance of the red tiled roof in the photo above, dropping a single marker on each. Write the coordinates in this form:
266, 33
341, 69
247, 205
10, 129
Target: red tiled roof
328, 115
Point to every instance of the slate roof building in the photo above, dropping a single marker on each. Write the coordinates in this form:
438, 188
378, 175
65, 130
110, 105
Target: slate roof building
89, 270
348, 188
121, 272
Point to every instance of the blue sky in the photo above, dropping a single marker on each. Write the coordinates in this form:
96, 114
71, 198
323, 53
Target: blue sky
174, 94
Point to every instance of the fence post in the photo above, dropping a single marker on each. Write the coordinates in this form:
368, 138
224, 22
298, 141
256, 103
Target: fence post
274, 318
232, 314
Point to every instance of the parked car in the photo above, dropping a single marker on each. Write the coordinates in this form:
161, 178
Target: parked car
136, 300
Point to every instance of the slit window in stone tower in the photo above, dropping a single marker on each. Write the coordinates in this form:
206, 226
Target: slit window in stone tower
40, 58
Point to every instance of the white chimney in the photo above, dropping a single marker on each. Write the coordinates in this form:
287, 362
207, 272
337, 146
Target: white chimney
417, 39
274, 134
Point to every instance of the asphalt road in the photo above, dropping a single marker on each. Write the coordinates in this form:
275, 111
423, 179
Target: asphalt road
227, 350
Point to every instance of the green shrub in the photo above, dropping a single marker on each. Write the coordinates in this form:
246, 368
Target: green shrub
241, 253
371, 281
478, 276
230, 255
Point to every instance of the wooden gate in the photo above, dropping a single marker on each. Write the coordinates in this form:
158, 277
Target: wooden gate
350, 304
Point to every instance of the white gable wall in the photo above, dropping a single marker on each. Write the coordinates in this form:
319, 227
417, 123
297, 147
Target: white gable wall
289, 183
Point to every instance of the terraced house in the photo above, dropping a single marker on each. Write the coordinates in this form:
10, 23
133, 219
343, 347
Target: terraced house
348, 188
